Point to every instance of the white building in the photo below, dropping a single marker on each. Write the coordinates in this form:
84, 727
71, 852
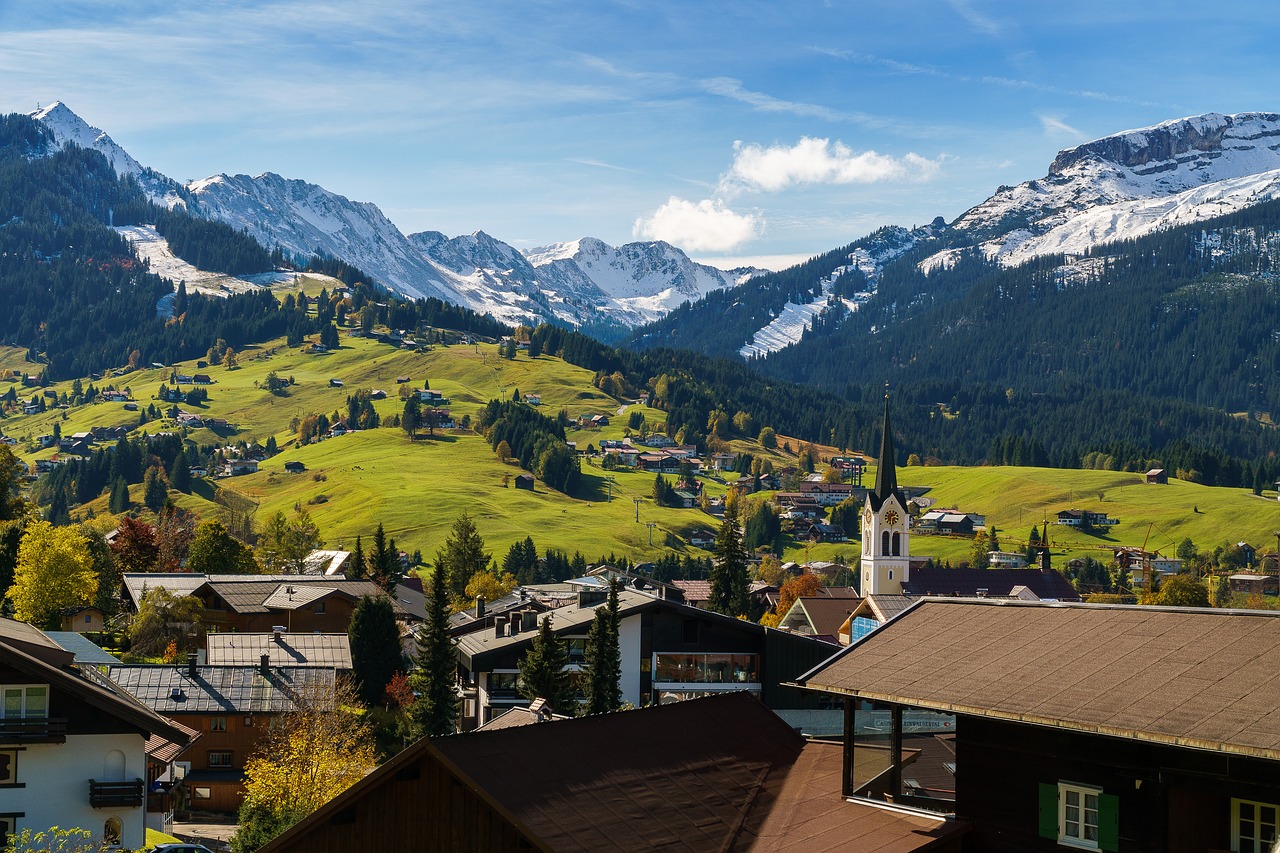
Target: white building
73, 750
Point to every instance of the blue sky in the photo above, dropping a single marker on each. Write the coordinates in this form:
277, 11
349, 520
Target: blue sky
742, 129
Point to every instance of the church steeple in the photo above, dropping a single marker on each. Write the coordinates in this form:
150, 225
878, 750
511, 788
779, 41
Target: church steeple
886, 470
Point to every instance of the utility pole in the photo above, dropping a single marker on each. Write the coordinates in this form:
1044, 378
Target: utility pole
636, 501
651, 525
609, 481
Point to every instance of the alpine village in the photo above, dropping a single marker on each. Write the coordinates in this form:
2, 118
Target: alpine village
310, 548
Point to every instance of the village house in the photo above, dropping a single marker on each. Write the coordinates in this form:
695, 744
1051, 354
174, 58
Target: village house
524, 481
716, 773
1156, 476
73, 749
1084, 518
294, 467
1090, 727
230, 706
432, 398
702, 538
670, 652
826, 494
256, 604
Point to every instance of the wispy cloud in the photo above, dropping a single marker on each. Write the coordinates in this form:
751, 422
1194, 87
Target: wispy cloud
703, 226
600, 164
813, 161
980, 22
1054, 126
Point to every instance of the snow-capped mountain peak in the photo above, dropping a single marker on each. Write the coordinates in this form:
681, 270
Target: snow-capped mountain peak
69, 128
1129, 184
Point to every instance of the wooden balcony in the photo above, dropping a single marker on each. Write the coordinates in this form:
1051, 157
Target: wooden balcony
103, 795
33, 730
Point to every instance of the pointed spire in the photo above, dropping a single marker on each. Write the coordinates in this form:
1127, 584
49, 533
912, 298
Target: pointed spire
886, 471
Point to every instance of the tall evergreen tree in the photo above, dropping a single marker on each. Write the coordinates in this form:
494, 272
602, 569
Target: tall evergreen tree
462, 556
435, 711
180, 476
729, 583
155, 490
375, 646
356, 567
543, 674
604, 658
384, 563
119, 496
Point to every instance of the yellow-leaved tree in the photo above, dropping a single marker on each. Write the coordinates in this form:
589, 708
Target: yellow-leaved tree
309, 756
54, 572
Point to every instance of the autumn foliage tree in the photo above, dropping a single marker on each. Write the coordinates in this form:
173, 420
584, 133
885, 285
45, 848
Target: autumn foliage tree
54, 571
313, 753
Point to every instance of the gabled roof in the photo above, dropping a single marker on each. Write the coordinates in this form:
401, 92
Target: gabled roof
226, 689
1196, 678
162, 750
85, 650
86, 685
718, 773
822, 615
324, 650
882, 606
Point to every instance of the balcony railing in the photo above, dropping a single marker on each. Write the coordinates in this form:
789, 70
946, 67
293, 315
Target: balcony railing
33, 730
104, 795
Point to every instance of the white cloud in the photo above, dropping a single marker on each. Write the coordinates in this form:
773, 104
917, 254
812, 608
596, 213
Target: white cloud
820, 161
1057, 127
704, 226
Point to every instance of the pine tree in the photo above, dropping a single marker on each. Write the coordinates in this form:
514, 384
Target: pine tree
729, 584
155, 491
436, 709
604, 658
356, 568
180, 476
384, 563
462, 556
375, 646
119, 496
543, 674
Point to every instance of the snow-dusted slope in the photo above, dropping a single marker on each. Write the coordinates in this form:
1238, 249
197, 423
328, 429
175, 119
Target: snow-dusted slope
1127, 185
304, 218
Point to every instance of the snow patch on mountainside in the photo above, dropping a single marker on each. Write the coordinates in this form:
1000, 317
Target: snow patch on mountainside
154, 249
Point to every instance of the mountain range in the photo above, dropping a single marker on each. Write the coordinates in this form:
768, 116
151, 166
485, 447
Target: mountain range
584, 283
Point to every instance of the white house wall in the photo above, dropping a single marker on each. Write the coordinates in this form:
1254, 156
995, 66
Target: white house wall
56, 776
629, 646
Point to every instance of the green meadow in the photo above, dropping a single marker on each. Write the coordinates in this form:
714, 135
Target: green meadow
417, 489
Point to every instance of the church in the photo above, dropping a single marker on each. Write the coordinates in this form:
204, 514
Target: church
886, 537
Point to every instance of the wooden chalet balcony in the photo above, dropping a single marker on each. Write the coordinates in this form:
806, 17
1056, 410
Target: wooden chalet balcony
33, 730
116, 794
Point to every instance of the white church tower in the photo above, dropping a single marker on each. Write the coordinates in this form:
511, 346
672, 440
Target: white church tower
886, 549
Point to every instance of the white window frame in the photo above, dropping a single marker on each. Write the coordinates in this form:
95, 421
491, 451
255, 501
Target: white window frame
26, 712
1082, 791
1236, 803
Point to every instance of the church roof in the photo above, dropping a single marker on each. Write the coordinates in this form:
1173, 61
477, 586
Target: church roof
886, 468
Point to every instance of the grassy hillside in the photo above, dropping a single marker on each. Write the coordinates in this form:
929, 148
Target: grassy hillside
417, 489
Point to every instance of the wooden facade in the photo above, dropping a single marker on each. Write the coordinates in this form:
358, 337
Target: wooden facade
235, 736
1166, 798
328, 615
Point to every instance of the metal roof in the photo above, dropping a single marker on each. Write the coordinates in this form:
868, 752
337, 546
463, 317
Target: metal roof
169, 689
85, 650
324, 650
1197, 678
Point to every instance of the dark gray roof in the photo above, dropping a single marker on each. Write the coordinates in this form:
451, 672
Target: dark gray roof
324, 650
169, 689
85, 650
1047, 585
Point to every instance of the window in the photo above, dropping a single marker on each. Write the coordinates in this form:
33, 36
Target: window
111, 831
504, 685
248, 722
897, 544
1079, 816
9, 824
25, 702
219, 758
217, 724
203, 794
707, 668
884, 543
319, 608
577, 649
1253, 826
9, 768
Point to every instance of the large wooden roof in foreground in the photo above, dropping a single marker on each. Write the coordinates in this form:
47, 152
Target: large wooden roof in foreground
1207, 679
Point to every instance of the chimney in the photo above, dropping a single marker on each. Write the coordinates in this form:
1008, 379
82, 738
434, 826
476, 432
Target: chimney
530, 620
500, 626
192, 657
515, 624
479, 606
264, 665
275, 634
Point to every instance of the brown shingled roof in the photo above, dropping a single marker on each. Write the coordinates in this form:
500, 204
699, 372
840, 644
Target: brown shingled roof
1197, 678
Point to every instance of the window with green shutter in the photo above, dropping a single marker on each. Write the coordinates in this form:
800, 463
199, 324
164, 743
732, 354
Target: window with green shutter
1079, 816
